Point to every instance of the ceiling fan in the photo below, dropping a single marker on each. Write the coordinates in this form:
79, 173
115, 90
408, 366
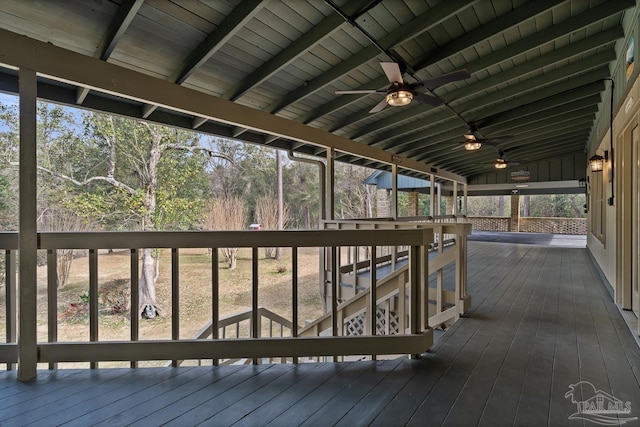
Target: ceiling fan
502, 163
400, 93
472, 142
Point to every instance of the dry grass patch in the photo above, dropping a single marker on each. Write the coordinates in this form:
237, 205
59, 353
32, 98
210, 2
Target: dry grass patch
195, 293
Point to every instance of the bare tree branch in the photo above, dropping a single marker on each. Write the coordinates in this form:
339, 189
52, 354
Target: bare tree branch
209, 152
108, 179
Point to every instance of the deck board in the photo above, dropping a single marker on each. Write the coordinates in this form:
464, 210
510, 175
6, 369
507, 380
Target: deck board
541, 320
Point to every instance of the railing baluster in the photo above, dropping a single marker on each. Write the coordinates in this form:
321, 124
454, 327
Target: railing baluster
11, 296
255, 331
373, 275
52, 299
335, 264
215, 301
294, 295
175, 297
134, 313
93, 298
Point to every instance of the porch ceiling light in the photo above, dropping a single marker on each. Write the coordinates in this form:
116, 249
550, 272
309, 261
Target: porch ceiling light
472, 145
399, 98
500, 164
596, 162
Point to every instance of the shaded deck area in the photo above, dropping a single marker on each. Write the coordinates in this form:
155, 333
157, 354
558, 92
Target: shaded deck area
541, 321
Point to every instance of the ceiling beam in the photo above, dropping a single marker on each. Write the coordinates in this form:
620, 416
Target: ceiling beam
530, 91
584, 93
237, 19
297, 48
580, 48
74, 68
119, 24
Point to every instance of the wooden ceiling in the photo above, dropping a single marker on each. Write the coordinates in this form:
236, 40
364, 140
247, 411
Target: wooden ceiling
538, 69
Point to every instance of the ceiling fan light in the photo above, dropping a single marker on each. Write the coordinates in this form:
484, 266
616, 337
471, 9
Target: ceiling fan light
500, 164
472, 145
399, 98
470, 136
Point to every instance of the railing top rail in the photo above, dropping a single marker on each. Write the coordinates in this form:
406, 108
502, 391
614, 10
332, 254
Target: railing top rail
221, 239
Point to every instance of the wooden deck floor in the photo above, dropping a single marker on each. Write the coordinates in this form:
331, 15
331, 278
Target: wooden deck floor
541, 321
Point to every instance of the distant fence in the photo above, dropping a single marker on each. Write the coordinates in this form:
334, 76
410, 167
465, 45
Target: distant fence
530, 224
554, 225
490, 223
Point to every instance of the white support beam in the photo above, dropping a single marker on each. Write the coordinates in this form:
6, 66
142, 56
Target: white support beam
432, 195
28, 239
455, 198
329, 186
394, 192
74, 68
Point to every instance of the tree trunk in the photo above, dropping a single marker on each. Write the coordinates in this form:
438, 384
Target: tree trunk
500, 205
148, 308
280, 201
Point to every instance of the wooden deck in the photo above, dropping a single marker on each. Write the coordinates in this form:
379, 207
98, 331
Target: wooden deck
541, 321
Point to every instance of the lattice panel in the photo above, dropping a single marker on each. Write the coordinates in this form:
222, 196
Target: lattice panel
355, 325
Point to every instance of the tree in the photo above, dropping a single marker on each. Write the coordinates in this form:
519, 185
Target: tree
133, 176
268, 214
227, 213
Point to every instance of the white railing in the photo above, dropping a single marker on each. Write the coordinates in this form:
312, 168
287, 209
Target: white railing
417, 339
448, 295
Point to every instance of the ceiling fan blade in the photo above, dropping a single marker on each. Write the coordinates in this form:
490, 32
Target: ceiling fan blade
443, 79
392, 70
355, 92
379, 106
427, 99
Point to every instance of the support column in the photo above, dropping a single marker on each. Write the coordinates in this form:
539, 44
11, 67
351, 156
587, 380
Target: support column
394, 192
515, 213
449, 205
454, 211
413, 203
464, 199
28, 237
432, 195
330, 184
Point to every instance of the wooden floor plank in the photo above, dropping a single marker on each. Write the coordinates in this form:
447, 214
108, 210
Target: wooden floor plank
51, 399
231, 414
204, 395
105, 392
222, 401
284, 401
314, 401
343, 400
185, 385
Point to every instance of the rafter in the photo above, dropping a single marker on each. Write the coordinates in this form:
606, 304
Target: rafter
297, 48
121, 21
243, 13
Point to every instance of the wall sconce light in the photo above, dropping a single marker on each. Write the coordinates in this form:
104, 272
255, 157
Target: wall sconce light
597, 162
582, 183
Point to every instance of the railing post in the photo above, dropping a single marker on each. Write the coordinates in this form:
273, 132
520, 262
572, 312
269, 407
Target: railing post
134, 313
11, 298
294, 295
93, 298
175, 297
28, 238
255, 330
52, 298
215, 300
373, 308
415, 300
